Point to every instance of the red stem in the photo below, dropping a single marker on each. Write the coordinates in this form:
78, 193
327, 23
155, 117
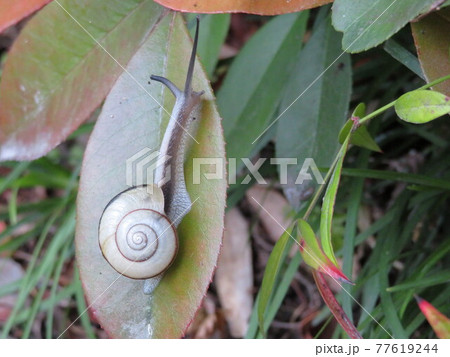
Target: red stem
334, 306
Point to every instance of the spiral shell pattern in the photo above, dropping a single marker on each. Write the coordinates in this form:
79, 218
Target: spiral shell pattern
135, 236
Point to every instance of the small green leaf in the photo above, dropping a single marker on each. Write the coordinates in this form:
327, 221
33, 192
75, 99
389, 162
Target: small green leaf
360, 137
422, 106
271, 273
359, 112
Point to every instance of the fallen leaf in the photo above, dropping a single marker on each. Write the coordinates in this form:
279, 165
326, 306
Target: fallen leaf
234, 274
432, 43
272, 208
10, 271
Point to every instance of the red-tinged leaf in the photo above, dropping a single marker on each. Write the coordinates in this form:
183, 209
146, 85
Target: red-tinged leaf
335, 308
438, 321
12, 11
260, 7
56, 74
431, 36
130, 122
314, 256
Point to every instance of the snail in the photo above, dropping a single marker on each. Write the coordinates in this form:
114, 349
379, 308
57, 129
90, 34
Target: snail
137, 230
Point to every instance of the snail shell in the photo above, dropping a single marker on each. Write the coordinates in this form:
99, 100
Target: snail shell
135, 235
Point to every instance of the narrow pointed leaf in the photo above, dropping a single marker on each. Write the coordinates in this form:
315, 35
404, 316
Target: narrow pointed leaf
260, 7
14, 11
431, 39
422, 106
132, 121
56, 74
438, 321
272, 271
401, 54
367, 23
329, 201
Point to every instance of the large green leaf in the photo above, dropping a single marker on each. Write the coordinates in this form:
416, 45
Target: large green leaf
367, 23
130, 122
56, 74
252, 89
431, 36
315, 105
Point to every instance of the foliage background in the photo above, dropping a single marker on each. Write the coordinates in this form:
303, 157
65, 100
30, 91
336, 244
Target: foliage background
389, 229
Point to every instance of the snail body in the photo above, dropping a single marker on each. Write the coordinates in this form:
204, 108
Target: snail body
137, 230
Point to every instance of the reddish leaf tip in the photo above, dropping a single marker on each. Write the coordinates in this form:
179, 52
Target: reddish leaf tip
336, 273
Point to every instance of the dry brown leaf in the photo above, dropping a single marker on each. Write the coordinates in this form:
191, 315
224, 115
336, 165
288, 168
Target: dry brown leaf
10, 271
234, 274
275, 210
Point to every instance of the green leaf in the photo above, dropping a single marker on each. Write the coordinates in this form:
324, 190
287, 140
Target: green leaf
431, 40
130, 122
329, 200
402, 55
367, 23
415, 179
361, 136
422, 106
253, 87
55, 74
314, 107
214, 29
309, 247
272, 272
440, 278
